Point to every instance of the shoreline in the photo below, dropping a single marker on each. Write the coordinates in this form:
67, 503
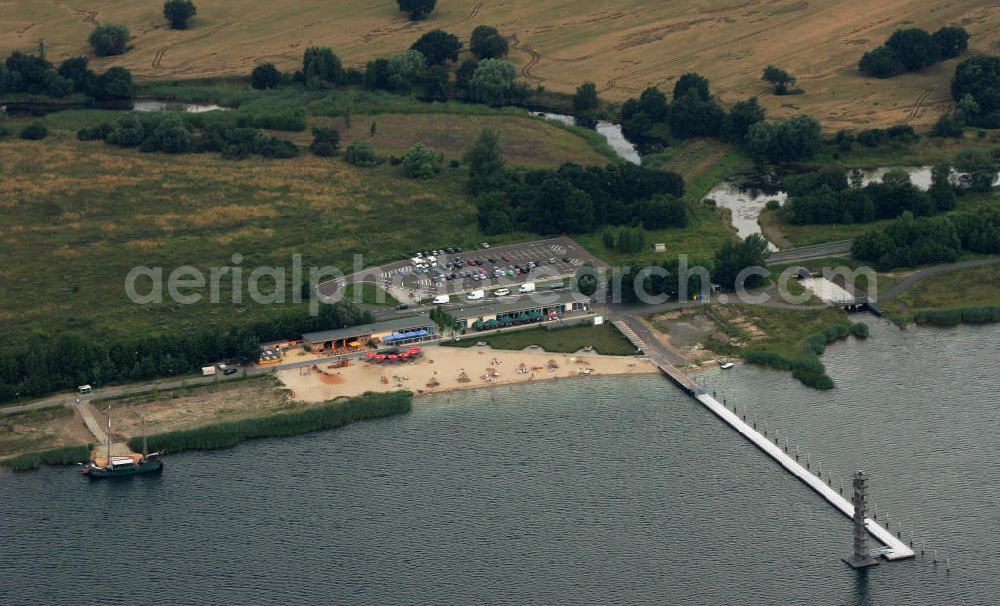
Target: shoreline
195, 408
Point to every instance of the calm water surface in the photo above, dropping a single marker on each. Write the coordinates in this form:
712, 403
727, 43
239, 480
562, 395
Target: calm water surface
593, 491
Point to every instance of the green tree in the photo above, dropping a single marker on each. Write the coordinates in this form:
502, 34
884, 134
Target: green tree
172, 137
741, 118
325, 141
321, 68
952, 41
883, 62
795, 139
630, 240
464, 73
662, 211
915, 48
487, 43
405, 70
421, 162
360, 152
692, 81
494, 217
264, 76
980, 167
941, 191
734, 257
416, 9
109, 40
484, 158
116, 83
494, 82
608, 239
128, 132
434, 85
585, 99
695, 116
179, 12
978, 78
779, 79
438, 47
947, 126
77, 71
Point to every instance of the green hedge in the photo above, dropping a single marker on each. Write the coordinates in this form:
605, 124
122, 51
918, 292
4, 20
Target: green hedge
329, 416
952, 317
67, 455
807, 367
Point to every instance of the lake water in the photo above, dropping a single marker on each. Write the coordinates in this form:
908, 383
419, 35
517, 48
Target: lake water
609, 130
747, 204
605, 490
154, 105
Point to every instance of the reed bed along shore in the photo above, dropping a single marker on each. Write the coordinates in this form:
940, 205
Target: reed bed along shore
317, 418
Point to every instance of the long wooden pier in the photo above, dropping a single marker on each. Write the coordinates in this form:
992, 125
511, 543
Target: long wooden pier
633, 330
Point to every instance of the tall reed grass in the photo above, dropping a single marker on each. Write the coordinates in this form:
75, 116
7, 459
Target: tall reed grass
66, 455
952, 317
328, 416
806, 366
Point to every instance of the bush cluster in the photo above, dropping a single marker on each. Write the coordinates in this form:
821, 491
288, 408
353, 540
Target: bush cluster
910, 50
30, 74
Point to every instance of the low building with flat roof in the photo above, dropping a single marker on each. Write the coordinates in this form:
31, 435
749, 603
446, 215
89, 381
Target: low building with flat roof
537, 306
400, 331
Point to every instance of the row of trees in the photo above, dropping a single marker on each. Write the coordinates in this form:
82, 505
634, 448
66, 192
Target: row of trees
176, 135
490, 79
572, 199
911, 50
34, 75
832, 196
976, 89
63, 362
651, 121
910, 241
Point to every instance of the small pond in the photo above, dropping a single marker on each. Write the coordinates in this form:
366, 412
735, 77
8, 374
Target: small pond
609, 130
747, 203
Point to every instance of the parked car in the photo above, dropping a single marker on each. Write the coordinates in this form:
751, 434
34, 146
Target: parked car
485, 245
402, 306
229, 371
552, 261
475, 295
502, 292
566, 259
557, 286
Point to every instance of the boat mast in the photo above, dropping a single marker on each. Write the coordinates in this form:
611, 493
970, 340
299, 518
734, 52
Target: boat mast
109, 436
145, 449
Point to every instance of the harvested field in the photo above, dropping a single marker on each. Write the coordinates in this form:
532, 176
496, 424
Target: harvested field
622, 46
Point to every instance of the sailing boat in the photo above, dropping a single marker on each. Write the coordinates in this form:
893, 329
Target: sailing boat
126, 466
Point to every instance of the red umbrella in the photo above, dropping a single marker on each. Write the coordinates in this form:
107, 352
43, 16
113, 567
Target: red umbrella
404, 355
414, 348
380, 356
371, 354
393, 356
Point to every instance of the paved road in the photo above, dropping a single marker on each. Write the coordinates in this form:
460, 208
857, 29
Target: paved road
613, 311
921, 274
790, 255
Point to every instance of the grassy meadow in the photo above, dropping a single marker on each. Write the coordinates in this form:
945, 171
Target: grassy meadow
623, 46
605, 339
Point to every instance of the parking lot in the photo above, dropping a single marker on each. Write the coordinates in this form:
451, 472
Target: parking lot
426, 274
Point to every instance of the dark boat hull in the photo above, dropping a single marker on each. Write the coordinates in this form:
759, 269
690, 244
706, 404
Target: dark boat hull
126, 470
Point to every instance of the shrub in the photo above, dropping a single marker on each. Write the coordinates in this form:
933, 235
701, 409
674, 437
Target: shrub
109, 40
35, 131
264, 76
179, 12
325, 142
172, 137
361, 153
116, 83
487, 43
421, 162
416, 9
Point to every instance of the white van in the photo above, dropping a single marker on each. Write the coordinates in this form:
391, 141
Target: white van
526, 287
476, 295
441, 299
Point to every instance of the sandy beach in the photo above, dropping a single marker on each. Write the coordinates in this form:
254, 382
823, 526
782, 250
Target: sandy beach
451, 368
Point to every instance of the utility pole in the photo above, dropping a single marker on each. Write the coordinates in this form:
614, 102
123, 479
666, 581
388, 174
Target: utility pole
861, 558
